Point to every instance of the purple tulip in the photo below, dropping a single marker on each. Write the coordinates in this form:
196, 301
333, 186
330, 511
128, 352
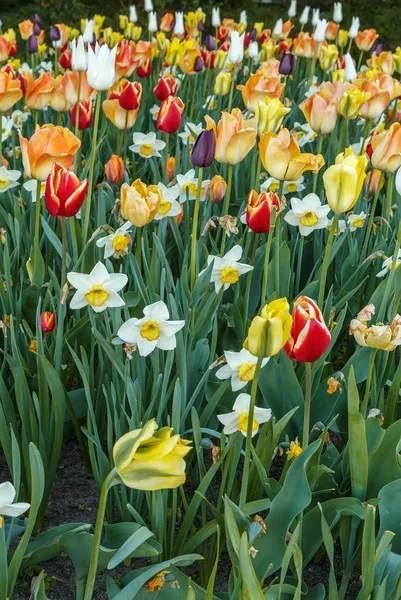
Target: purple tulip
287, 64
204, 149
36, 29
37, 19
55, 34
32, 44
252, 34
377, 48
201, 26
210, 44
198, 64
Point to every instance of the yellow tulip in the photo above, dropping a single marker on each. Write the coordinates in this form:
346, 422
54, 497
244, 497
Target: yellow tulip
233, 140
150, 460
343, 181
123, 21
343, 38
270, 114
351, 102
220, 60
269, 332
222, 84
338, 75
282, 158
328, 56
140, 203
397, 59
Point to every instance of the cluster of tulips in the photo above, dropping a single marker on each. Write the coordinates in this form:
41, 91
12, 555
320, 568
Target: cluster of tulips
191, 178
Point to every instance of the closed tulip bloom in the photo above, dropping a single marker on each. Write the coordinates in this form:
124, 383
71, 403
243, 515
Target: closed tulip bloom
85, 114
259, 210
386, 146
236, 49
216, 22
57, 99
270, 115
344, 180
32, 44
114, 169
149, 6
320, 31
179, 28
101, 67
343, 38
287, 64
337, 12
320, 112
328, 56
38, 91
351, 102
315, 16
79, 61
149, 460
47, 321
47, 146
140, 203
210, 44
292, 11
309, 337
354, 29
170, 168
25, 29
217, 189
365, 39
10, 91
130, 95
304, 18
170, 114
133, 16
350, 71
269, 332
222, 83
70, 86
204, 149
282, 158
65, 193
233, 140
165, 87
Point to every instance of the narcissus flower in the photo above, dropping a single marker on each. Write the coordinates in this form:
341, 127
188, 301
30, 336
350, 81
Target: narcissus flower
116, 244
389, 265
356, 221
153, 330
227, 270
65, 193
168, 207
379, 336
8, 179
344, 180
282, 158
233, 140
9, 508
188, 185
139, 203
309, 337
47, 321
190, 133
269, 331
147, 145
170, 114
149, 460
259, 210
238, 419
240, 368
98, 289
308, 214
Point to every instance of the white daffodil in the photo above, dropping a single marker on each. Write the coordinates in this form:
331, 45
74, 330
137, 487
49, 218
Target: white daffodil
238, 419
188, 184
25, 68
388, 265
312, 88
6, 128
168, 207
154, 330
240, 368
154, 111
101, 67
18, 118
356, 221
8, 179
211, 102
9, 508
227, 270
32, 186
147, 145
190, 133
44, 67
290, 187
116, 244
307, 214
341, 226
304, 133
98, 289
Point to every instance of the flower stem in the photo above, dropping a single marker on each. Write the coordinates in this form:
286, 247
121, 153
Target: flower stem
230, 100
76, 157
326, 260
266, 263
371, 217
138, 252
90, 582
87, 210
364, 405
191, 112
387, 202
226, 206
248, 283
64, 254
37, 213
195, 228
248, 441
308, 397
390, 279
166, 159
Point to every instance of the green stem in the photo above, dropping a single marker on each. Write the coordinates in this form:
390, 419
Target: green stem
37, 213
230, 100
360, 60
64, 254
266, 263
387, 203
319, 151
226, 206
90, 582
277, 255
166, 159
326, 260
195, 227
308, 397
371, 217
299, 264
191, 112
138, 253
87, 209
390, 279
364, 405
125, 133
248, 283
248, 441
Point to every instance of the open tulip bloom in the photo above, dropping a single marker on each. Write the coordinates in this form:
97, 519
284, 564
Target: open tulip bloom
98, 289
237, 420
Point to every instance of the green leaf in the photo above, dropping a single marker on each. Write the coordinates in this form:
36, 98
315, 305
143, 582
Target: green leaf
250, 584
358, 451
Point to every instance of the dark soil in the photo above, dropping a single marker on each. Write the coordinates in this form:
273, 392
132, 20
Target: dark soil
75, 499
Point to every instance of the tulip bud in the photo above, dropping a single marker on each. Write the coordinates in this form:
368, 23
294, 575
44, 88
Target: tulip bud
269, 332
79, 59
309, 337
259, 210
37, 19
85, 114
170, 168
170, 114
47, 321
217, 189
343, 181
377, 48
222, 84
253, 34
130, 96
166, 86
65, 59
65, 193
114, 169
36, 29
145, 70
33, 44
204, 149
287, 64
270, 114
198, 65
210, 44
201, 26
372, 181
55, 34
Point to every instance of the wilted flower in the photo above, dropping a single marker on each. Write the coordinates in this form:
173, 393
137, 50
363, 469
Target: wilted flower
116, 244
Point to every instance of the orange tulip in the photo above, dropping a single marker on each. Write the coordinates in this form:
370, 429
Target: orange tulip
166, 22
114, 169
170, 168
4, 49
382, 89
304, 45
48, 145
58, 99
70, 86
331, 31
26, 29
257, 88
320, 113
366, 38
386, 148
282, 157
372, 181
217, 189
233, 140
38, 91
270, 68
383, 62
10, 91
124, 64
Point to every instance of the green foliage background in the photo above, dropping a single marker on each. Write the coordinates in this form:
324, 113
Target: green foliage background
383, 15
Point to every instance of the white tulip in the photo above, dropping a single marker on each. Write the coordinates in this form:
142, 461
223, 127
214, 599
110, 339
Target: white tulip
101, 67
292, 11
320, 31
152, 26
149, 6
133, 16
350, 71
88, 33
354, 29
235, 54
337, 12
304, 18
315, 16
216, 22
243, 18
7, 506
179, 28
278, 28
79, 61
253, 50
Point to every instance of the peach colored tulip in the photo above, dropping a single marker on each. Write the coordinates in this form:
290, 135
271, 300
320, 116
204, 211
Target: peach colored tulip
331, 31
320, 113
382, 89
124, 64
70, 86
114, 169
25, 29
10, 91
386, 147
383, 62
282, 158
233, 140
257, 88
304, 45
48, 145
38, 91
58, 99
366, 38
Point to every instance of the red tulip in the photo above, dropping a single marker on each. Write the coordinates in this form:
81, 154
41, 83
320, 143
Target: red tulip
259, 210
47, 321
65, 193
65, 59
130, 96
170, 114
309, 337
85, 114
145, 70
166, 86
